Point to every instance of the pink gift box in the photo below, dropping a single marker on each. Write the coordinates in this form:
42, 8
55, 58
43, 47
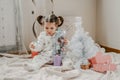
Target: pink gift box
99, 58
104, 67
107, 59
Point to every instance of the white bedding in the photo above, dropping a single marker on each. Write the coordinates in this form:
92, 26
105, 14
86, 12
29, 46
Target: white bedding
13, 69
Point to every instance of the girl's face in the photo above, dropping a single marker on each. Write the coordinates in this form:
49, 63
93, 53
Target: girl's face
50, 28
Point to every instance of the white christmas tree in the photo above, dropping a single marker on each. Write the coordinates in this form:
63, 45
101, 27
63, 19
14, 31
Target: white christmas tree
82, 46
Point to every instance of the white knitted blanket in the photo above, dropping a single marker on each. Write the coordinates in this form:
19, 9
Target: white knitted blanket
13, 69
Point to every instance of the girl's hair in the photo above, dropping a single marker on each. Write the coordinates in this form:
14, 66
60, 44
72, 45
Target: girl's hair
52, 18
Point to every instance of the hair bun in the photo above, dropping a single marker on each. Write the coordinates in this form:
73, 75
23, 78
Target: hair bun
61, 20
40, 19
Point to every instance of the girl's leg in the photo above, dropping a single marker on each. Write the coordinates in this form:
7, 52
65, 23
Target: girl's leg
38, 61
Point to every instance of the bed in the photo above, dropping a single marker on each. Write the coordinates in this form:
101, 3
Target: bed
12, 68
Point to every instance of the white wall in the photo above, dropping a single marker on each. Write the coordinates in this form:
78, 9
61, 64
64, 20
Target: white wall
108, 23
84, 8
28, 19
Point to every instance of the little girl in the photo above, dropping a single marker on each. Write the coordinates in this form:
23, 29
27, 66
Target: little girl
47, 43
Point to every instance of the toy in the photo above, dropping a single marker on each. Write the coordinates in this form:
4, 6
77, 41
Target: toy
58, 56
102, 63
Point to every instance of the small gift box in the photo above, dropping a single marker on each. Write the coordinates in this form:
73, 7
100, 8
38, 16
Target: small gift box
99, 58
104, 67
102, 63
34, 53
107, 59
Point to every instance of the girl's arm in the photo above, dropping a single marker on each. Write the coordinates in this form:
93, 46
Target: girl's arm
39, 44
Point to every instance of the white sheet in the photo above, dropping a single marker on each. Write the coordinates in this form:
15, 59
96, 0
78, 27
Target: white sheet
13, 69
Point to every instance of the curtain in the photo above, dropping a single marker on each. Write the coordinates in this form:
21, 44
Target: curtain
10, 26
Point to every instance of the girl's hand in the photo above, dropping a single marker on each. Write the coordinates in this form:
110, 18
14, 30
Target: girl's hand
65, 41
32, 46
